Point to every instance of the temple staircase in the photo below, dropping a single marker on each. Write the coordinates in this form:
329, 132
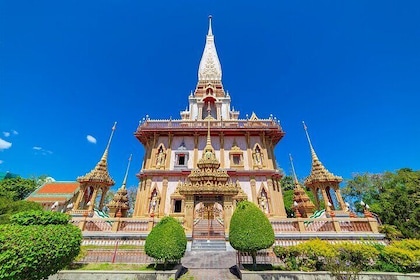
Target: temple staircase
208, 235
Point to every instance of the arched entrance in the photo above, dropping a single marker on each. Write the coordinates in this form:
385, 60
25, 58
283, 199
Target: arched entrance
208, 218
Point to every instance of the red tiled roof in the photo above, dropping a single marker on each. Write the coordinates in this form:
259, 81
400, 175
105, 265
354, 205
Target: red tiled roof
47, 199
59, 187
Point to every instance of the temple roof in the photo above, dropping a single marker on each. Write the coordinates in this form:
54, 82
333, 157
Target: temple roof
99, 174
319, 174
55, 191
210, 68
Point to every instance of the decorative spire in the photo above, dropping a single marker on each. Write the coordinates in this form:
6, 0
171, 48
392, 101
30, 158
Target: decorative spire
302, 203
126, 173
210, 68
318, 171
119, 203
293, 170
210, 33
99, 174
208, 153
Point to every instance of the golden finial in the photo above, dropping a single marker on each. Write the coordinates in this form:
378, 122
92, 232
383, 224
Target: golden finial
126, 173
293, 170
208, 133
314, 156
105, 155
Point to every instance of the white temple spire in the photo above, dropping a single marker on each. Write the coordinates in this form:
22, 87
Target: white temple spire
210, 68
210, 33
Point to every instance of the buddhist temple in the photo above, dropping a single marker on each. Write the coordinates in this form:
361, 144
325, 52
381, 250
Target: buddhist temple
200, 165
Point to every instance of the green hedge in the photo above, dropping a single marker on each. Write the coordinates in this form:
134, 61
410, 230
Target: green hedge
317, 255
34, 217
166, 241
35, 252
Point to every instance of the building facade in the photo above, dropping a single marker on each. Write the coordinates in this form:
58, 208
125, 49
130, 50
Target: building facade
242, 148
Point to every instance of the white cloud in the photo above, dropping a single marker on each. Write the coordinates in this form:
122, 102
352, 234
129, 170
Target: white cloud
4, 144
6, 134
41, 150
91, 139
1, 161
15, 132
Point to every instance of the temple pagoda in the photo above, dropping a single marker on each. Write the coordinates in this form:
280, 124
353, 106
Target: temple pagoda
200, 165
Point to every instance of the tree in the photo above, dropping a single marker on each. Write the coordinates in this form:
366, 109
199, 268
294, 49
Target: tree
395, 197
17, 188
250, 230
166, 241
8, 208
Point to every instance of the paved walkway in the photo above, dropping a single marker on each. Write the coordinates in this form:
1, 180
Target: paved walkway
209, 265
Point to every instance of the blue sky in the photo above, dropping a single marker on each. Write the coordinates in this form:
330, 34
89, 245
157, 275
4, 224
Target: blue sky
68, 69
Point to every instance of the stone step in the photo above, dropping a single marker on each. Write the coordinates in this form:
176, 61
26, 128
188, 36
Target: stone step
210, 245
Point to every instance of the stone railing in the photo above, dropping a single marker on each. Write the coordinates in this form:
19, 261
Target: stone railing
182, 124
325, 225
280, 226
121, 225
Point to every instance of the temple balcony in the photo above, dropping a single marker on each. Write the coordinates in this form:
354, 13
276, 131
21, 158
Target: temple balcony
271, 127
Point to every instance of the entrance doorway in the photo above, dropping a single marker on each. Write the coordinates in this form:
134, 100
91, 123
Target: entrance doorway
208, 218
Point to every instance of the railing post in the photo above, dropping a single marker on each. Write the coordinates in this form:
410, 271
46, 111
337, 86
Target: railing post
116, 223
336, 224
82, 224
372, 222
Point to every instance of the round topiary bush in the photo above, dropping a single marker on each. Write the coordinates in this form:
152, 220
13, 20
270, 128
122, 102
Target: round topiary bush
166, 241
250, 230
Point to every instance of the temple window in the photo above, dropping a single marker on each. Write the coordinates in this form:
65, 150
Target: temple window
236, 156
177, 206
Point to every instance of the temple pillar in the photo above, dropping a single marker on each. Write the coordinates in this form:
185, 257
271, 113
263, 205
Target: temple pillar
253, 190
195, 159
162, 201
79, 197
168, 151
222, 150
248, 151
326, 200
227, 211
340, 198
189, 212
103, 195
145, 204
92, 200
280, 209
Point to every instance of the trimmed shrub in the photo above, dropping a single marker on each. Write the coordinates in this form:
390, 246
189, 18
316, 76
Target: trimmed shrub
314, 255
35, 217
250, 230
35, 252
360, 257
166, 241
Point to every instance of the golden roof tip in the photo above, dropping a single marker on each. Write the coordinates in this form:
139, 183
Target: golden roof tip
293, 170
126, 172
105, 155
314, 156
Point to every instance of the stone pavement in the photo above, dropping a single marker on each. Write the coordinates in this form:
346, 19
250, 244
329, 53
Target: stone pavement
209, 265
